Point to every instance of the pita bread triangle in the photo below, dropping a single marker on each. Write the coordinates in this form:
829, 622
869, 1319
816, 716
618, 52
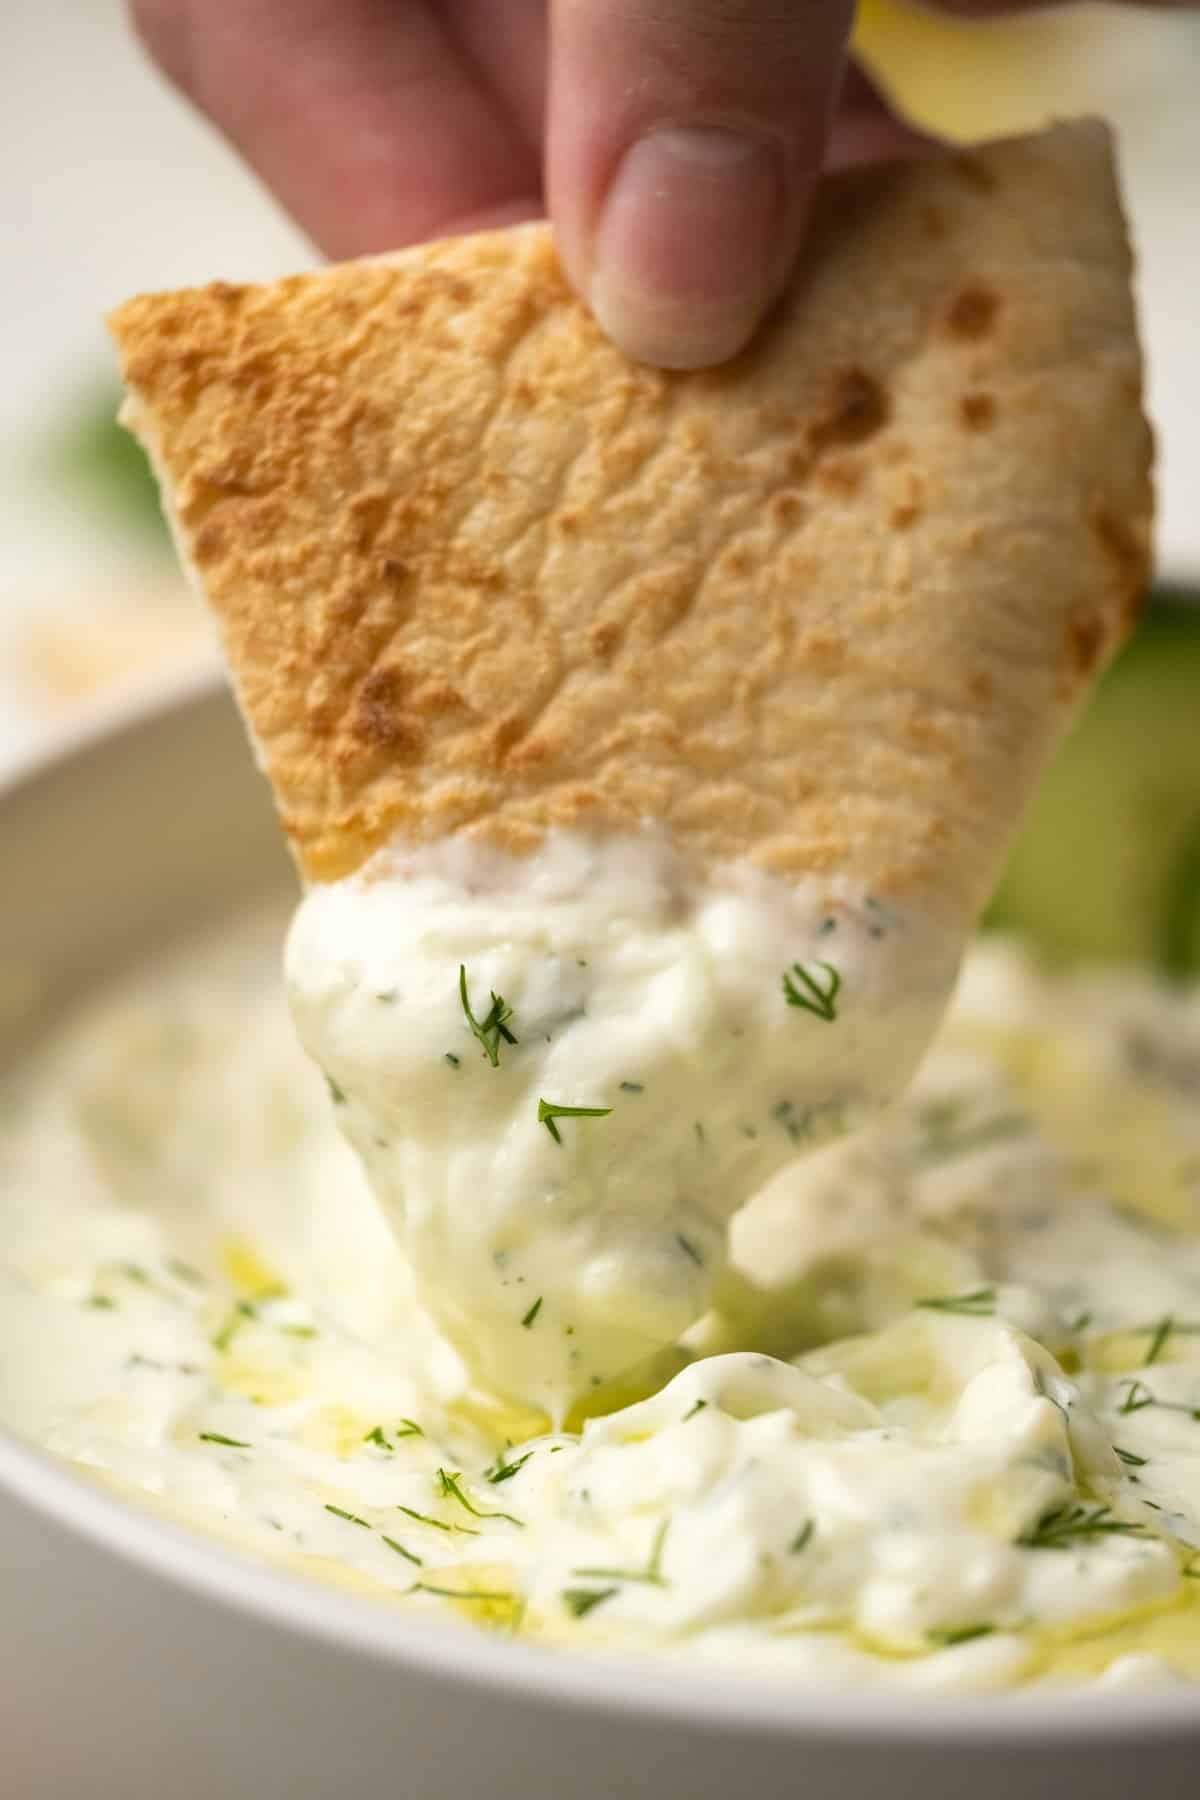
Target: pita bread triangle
827, 608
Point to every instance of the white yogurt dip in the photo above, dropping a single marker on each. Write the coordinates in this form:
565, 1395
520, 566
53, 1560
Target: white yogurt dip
561, 1180
940, 1427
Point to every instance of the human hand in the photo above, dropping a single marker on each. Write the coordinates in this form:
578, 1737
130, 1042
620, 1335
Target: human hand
675, 143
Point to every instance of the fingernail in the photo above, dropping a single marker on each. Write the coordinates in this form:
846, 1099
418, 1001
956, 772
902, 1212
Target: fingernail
685, 255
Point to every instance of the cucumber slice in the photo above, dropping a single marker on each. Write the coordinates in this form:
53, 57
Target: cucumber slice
1108, 864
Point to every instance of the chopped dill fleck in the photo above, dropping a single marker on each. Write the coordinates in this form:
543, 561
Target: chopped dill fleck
1158, 1342
408, 1555
350, 1518
1080, 1324
807, 991
689, 1249
976, 1137
135, 1272
454, 1061
437, 1524
299, 1331
411, 1429
495, 1024
696, 1407
335, 1092
698, 1128
183, 1271
532, 1314
549, 1110
979, 1304
388, 997
450, 1488
230, 1328
217, 1437
1129, 1459
579, 1602
961, 1634
652, 1574
447, 1593
101, 1303
376, 1437
1139, 1396
504, 1471
1066, 1525
803, 1537
632, 1087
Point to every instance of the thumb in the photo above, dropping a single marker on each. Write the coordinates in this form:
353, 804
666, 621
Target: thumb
684, 140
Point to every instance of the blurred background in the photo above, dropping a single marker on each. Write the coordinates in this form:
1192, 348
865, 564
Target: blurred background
110, 184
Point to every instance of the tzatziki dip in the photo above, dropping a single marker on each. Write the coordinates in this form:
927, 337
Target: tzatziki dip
932, 1417
566, 1072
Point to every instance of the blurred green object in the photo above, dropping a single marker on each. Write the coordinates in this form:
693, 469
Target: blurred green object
102, 466
1108, 865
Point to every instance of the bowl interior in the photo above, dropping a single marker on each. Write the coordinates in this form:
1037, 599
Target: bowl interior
127, 838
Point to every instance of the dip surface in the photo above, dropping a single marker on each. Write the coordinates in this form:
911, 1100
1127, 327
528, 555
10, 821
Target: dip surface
939, 1425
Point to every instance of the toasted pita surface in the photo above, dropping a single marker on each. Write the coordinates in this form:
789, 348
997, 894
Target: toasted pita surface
826, 608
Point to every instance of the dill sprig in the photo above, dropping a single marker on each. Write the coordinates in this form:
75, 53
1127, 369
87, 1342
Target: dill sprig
1066, 1525
1139, 1396
803, 988
803, 1537
408, 1555
579, 1602
340, 1512
450, 1488
652, 1574
689, 1249
449, 1593
407, 1428
549, 1110
494, 1027
218, 1437
980, 1303
961, 1634
697, 1406
410, 1512
528, 1319
504, 1471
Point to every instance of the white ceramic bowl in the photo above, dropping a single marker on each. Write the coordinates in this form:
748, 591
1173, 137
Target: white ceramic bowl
139, 1659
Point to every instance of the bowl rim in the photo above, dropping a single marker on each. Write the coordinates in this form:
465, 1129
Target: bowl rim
622, 1683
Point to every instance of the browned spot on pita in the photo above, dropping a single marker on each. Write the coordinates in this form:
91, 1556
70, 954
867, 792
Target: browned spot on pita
603, 638
1127, 550
934, 221
787, 509
904, 514
856, 409
825, 648
377, 721
436, 698
977, 411
841, 475
209, 543
980, 686
506, 734
1085, 641
972, 311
